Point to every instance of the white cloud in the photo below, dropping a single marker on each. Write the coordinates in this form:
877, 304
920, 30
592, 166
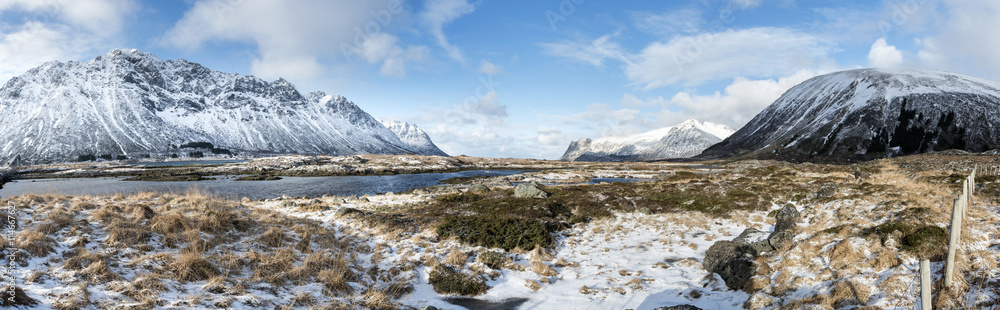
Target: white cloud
669, 23
631, 101
486, 67
294, 38
437, 14
383, 48
736, 104
551, 136
707, 56
755, 52
59, 30
594, 52
883, 55
965, 41
746, 4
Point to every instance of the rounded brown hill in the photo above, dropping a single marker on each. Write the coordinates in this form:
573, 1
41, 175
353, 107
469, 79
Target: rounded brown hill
871, 113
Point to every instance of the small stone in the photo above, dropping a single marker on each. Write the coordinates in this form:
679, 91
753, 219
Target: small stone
645, 210
345, 212
827, 190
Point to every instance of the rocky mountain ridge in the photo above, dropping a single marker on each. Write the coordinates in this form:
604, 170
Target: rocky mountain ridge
130, 103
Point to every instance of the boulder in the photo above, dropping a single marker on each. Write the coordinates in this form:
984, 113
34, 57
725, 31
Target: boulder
781, 240
530, 190
478, 189
678, 307
731, 261
786, 219
644, 210
755, 239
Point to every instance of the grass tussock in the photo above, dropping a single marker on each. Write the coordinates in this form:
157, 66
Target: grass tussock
192, 266
493, 259
447, 280
543, 269
36, 243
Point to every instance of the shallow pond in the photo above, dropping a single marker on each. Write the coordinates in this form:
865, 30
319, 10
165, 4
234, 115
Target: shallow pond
225, 186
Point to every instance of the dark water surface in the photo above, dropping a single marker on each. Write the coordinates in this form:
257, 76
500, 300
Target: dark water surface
225, 186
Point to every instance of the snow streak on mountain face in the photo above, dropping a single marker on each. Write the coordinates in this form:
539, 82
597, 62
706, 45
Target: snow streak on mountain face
130, 103
872, 113
684, 140
415, 138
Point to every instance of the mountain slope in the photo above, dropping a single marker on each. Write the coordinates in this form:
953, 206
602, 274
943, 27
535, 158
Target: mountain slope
872, 113
128, 102
683, 140
414, 138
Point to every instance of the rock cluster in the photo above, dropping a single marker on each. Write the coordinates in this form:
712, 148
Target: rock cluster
734, 260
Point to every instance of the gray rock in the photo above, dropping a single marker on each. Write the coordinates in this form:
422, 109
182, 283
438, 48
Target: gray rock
644, 210
827, 190
781, 240
755, 239
345, 212
478, 189
679, 307
786, 219
530, 190
732, 261
429, 308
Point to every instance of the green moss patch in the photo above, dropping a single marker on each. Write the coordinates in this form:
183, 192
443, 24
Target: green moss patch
446, 280
506, 233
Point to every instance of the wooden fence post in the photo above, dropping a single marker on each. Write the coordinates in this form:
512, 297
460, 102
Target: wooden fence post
956, 226
925, 284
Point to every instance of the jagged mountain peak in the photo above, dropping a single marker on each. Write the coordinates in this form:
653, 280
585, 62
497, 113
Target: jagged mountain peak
414, 137
683, 140
129, 102
872, 113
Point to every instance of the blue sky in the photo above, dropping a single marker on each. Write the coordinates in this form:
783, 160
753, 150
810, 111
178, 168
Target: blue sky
522, 78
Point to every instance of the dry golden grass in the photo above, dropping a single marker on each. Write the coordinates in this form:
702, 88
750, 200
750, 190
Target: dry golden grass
336, 281
55, 221
560, 262
543, 269
532, 284
126, 233
540, 254
849, 293
192, 266
456, 258
274, 237
36, 243
845, 254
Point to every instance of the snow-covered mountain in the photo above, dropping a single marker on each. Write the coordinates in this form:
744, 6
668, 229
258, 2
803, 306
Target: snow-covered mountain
131, 103
415, 138
683, 140
872, 113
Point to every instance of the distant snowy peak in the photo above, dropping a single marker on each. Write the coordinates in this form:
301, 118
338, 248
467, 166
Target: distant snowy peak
414, 137
130, 103
872, 113
683, 140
